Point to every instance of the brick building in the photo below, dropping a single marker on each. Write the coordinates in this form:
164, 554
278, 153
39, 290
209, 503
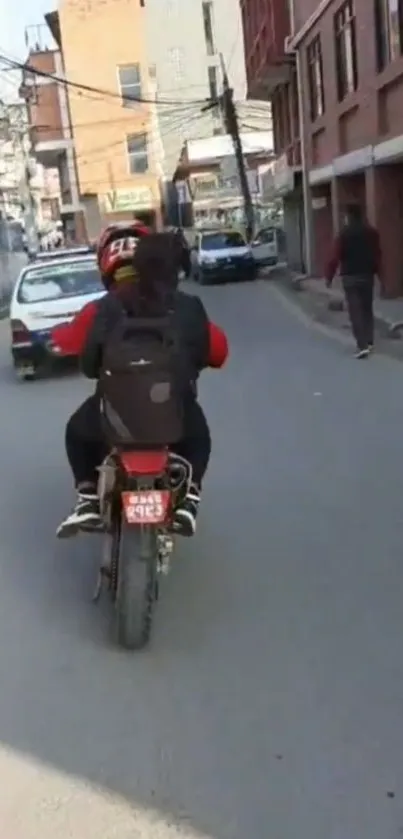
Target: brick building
351, 67
103, 144
272, 74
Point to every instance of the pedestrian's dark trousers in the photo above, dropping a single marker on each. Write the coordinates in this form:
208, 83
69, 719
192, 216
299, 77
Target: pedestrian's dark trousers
359, 292
86, 448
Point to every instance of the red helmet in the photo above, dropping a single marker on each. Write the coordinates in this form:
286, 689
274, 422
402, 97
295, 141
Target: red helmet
116, 246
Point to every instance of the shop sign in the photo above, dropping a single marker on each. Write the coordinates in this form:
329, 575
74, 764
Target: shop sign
120, 200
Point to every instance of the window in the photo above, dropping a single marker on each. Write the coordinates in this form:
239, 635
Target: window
213, 83
278, 118
346, 51
207, 8
388, 31
58, 282
295, 107
137, 153
213, 88
176, 59
130, 84
287, 113
217, 241
315, 79
266, 237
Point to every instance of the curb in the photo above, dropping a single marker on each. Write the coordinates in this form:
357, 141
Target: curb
299, 283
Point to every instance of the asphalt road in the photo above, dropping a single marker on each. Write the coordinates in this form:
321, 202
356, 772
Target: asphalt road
270, 704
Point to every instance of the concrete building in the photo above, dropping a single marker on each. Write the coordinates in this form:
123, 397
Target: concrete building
49, 117
103, 144
28, 193
207, 176
14, 151
184, 42
351, 63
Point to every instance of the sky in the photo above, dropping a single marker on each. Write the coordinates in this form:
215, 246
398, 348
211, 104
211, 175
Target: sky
12, 34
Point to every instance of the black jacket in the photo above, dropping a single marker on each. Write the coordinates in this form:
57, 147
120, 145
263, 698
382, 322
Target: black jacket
359, 251
189, 317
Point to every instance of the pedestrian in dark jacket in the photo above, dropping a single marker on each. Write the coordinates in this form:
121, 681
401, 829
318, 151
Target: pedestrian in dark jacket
141, 285
357, 257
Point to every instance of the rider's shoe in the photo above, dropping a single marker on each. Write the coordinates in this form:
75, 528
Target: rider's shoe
84, 516
186, 513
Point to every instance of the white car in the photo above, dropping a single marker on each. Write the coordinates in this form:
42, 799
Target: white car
222, 256
60, 253
268, 246
49, 291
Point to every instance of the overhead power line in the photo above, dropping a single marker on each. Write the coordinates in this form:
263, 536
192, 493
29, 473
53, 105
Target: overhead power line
174, 114
94, 154
28, 68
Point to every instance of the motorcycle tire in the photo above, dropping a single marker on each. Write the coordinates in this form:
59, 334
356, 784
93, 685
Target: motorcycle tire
136, 585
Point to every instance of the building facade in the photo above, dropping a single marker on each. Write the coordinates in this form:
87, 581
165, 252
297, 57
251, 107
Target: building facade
351, 65
272, 74
50, 125
184, 42
207, 177
103, 143
28, 193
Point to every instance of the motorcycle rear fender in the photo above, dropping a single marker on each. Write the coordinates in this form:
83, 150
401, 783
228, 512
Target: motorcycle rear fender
143, 464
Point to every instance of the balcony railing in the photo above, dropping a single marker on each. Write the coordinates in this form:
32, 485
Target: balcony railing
38, 38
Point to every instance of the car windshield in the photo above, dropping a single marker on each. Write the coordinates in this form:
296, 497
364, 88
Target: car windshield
53, 281
218, 241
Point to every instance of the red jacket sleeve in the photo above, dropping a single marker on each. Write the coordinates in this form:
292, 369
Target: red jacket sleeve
333, 262
218, 347
69, 338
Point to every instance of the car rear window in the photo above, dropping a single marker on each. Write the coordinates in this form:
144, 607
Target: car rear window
56, 282
217, 241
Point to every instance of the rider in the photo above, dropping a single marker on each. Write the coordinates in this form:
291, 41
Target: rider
126, 272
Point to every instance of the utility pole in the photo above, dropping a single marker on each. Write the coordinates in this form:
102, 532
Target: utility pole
232, 128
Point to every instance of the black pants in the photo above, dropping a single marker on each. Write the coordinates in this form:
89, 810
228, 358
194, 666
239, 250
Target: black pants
86, 448
359, 297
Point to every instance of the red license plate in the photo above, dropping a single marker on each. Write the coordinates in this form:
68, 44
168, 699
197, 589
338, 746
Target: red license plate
147, 507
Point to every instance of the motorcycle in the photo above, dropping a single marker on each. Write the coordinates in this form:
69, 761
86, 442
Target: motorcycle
138, 492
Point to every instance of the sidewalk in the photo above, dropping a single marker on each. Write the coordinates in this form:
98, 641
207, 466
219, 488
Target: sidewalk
388, 313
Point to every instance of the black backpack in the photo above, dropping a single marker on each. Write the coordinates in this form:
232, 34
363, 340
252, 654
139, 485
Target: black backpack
143, 383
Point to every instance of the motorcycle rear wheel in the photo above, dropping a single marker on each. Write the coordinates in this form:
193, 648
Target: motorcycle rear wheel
136, 585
